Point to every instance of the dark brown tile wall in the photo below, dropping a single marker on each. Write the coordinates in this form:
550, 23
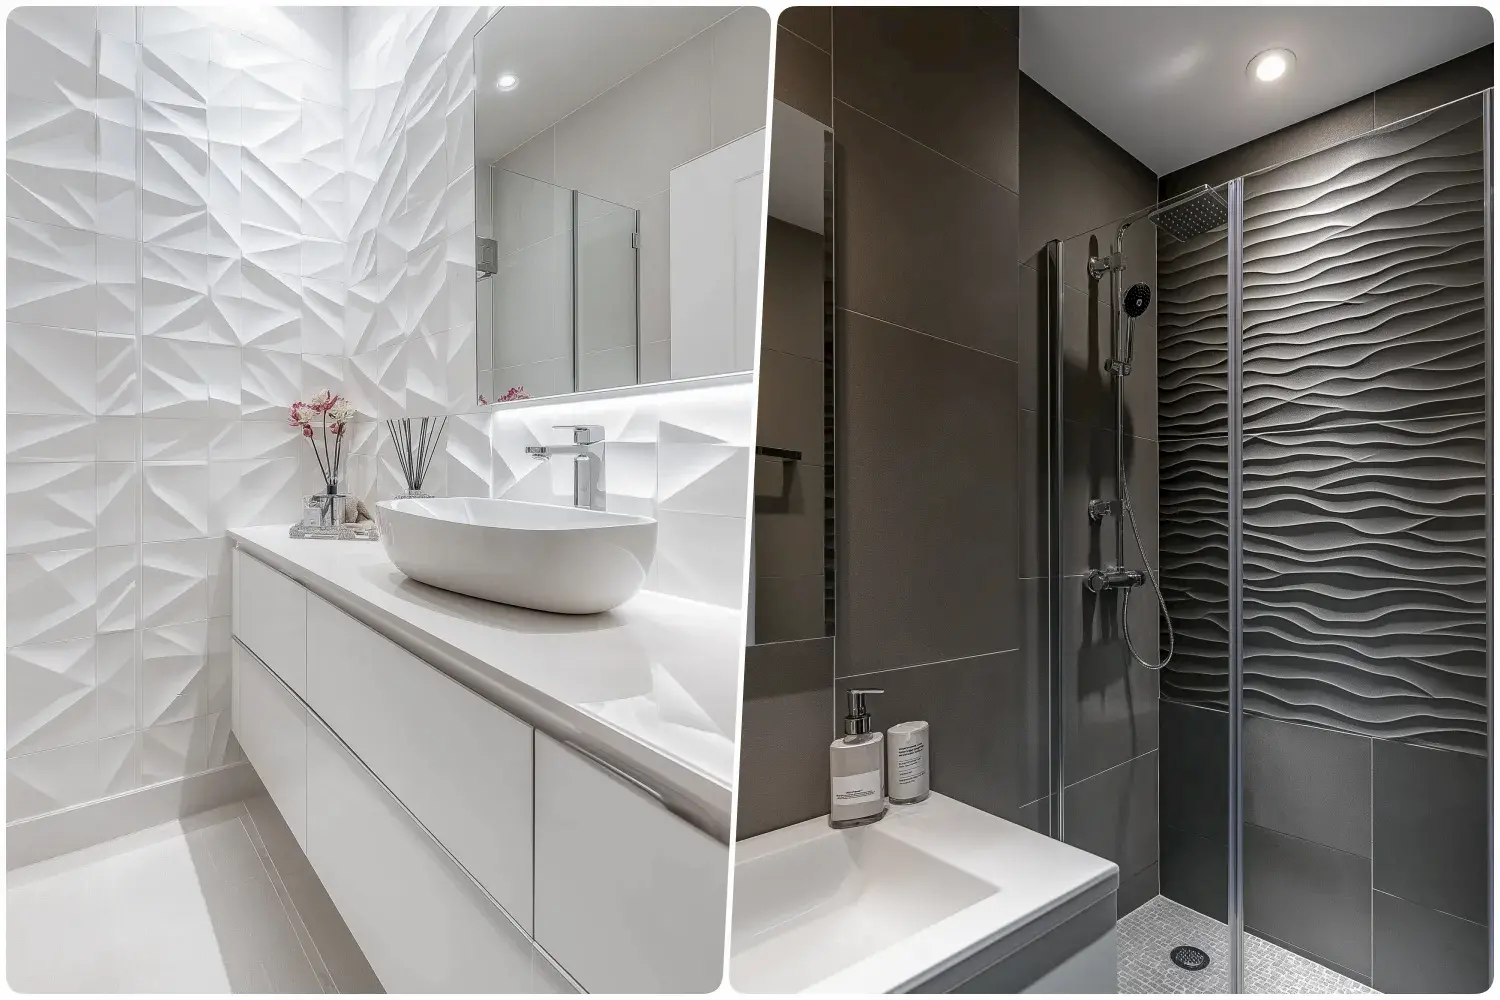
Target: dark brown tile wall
929, 569
1076, 186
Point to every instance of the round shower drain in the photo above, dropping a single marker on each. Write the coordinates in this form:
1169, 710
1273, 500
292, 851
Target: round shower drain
1190, 958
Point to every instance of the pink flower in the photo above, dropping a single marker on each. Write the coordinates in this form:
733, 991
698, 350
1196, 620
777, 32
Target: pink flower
513, 393
307, 430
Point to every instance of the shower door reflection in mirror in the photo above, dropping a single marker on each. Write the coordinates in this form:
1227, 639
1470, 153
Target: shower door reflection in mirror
794, 542
618, 213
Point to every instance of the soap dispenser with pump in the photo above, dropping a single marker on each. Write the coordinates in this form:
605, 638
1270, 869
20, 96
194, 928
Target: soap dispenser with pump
856, 766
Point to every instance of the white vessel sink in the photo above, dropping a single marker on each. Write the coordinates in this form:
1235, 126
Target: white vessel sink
539, 556
887, 907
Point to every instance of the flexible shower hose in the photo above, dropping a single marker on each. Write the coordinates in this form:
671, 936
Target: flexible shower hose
1155, 585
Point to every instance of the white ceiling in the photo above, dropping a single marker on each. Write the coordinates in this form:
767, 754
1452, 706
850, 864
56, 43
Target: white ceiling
564, 58
1168, 83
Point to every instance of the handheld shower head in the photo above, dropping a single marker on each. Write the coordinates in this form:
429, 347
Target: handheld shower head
1137, 298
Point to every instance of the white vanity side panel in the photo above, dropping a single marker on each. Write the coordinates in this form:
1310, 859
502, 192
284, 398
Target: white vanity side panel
423, 925
460, 764
629, 898
1092, 970
271, 725
271, 618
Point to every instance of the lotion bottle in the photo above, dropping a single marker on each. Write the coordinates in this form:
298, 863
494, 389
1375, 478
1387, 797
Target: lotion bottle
856, 767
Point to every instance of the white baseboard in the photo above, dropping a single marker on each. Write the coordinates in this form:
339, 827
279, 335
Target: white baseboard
38, 838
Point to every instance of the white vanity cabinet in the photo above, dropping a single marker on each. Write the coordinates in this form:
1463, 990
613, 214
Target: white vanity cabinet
466, 851
629, 897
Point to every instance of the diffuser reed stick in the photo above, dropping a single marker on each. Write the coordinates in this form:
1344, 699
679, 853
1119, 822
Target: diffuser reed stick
416, 443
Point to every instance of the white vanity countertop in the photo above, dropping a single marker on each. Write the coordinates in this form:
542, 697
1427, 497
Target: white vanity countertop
1031, 875
651, 688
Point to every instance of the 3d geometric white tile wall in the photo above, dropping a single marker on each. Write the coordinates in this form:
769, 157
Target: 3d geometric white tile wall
175, 236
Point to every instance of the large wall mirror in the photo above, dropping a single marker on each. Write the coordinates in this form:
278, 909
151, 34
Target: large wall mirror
795, 482
619, 196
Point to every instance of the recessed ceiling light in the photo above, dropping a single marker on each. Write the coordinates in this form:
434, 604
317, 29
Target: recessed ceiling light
507, 81
1271, 65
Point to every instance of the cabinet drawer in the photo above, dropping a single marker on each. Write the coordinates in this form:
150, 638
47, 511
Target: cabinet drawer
423, 924
271, 725
270, 618
629, 898
460, 764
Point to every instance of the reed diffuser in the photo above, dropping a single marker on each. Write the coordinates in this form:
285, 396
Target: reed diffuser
416, 443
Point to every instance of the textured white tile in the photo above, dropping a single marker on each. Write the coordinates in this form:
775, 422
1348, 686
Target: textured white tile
49, 275
49, 54
322, 317
225, 209
49, 595
173, 78
116, 765
466, 444
270, 210
118, 439
117, 170
50, 152
700, 557
173, 674
220, 577
174, 582
116, 653
166, 440
49, 370
425, 293
46, 438
53, 779
268, 439
170, 385
271, 309
118, 491
174, 187
322, 371
117, 87
119, 584
219, 368
49, 695
270, 384
174, 293
174, 501
247, 493
49, 505
703, 478
117, 270
118, 393
225, 322
183, 748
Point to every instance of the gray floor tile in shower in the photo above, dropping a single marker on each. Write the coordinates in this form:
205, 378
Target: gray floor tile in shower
1148, 935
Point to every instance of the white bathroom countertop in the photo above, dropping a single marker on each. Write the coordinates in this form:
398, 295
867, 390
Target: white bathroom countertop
651, 688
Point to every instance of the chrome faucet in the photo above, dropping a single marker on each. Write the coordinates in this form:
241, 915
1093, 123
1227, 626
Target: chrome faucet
587, 451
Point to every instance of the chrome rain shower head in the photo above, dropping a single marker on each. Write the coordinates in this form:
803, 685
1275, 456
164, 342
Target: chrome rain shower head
1201, 212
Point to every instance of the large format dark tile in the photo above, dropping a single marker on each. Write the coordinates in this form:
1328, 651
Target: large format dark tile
1195, 770
1036, 816
1073, 177
1113, 815
1307, 136
1138, 889
789, 518
1308, 782
1112, 715
792, 410
804, 76
1468, 74
792, 317
1195, 872
928, 561
946, 76
967, 702
1432, 828
790, 607
1088, 474
786, 726
814, 24
922, 242
1418, 950
1310, 896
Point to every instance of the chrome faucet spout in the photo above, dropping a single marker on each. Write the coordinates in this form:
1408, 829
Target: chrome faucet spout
587, 452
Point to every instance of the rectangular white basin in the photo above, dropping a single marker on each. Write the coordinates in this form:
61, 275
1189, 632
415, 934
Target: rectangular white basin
886, 907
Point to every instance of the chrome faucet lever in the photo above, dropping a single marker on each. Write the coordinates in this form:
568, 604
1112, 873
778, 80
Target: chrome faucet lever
587, 451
